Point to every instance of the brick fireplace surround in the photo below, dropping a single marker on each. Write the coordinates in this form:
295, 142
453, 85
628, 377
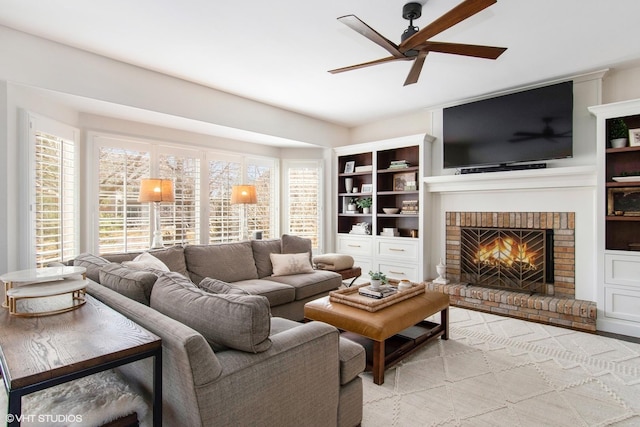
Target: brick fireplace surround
559, 307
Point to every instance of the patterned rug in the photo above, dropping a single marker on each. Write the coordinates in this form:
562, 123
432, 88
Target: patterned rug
499, 371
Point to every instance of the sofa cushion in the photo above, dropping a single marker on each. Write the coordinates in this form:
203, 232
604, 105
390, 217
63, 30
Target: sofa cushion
146, 261
307, 285
229, 262
241, 322
276, 293
261, 254
173, 257
215, 286
92, 263
130, 282
287, 264
296, 245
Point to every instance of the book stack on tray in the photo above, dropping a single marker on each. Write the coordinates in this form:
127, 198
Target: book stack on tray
384, 291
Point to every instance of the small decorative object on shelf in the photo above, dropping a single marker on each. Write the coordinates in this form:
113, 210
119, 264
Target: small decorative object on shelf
364, 168
634, 137
351, 207
349, 167
618, 133
367, 188
441, 269
399, 164
377, 279
365, 204
389, 232
400, 180
348, 185
409, 207
363, 228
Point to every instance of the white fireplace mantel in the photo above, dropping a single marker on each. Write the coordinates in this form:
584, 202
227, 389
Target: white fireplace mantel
563, 177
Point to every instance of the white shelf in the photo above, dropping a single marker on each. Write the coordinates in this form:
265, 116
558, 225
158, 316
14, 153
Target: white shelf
565, 177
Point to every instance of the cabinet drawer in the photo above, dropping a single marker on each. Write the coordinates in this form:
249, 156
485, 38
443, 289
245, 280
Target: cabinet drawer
622, 303
622, 269
399, 272
355, 245
396, 248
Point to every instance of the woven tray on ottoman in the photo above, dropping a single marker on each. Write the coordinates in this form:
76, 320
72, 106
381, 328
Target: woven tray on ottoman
350, 296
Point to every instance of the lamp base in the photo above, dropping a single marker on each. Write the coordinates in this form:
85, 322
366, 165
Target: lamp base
157, 243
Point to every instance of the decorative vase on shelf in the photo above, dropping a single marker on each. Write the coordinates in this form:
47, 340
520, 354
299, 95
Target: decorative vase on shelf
441, 269
366, 210
348, 184
618, 142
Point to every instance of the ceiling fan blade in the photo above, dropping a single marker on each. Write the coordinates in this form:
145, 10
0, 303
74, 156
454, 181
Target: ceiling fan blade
478, 51
356, 24
524, 138
367, 64
458, 14
416, 68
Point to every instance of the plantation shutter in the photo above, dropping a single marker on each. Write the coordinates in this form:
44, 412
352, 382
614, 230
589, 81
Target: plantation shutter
55, 208
180, 221
123, 222
303, 198
260, 216
224, 219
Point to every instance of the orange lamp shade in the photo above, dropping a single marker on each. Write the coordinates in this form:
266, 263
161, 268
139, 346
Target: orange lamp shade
156, 190
244, 194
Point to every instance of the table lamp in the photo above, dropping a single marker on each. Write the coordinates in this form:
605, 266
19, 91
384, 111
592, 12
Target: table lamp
244, 195
156, 190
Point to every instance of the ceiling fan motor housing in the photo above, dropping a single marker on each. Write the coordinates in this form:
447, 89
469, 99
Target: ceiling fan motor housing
412, 11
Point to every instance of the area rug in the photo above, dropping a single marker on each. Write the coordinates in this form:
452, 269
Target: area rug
499, 371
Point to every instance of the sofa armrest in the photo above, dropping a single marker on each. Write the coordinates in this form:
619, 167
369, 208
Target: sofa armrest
295, 382
353, 360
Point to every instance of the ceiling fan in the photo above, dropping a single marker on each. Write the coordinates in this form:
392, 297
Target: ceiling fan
415, 44
547, 133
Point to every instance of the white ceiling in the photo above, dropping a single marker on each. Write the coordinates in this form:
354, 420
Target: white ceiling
278, 52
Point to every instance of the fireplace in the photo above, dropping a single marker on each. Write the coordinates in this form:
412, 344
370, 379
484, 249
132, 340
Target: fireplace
547, 299
507, 258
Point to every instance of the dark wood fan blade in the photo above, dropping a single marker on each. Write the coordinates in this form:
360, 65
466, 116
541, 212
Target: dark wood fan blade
367, 64
478, 51
356, 24
416, 68
458, 14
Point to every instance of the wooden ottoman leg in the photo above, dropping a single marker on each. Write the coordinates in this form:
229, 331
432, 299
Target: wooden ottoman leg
378, 362
444, 321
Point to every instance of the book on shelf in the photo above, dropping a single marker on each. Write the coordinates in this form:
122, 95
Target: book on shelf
385, 291
364, 168
409, 207
399, 164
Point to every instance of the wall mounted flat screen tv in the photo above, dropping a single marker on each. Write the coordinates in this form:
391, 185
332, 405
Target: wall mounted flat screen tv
526, 126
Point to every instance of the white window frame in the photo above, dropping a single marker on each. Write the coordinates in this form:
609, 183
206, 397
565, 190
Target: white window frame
29, 124
318, 164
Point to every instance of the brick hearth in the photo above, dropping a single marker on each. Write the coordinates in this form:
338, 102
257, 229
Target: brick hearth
559, 307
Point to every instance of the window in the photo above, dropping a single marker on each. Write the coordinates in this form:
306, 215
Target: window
201, 213
55, 201
180, 221
123, 222
47, 191
303, 196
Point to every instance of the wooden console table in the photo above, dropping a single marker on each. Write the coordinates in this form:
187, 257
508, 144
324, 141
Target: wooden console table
41, 352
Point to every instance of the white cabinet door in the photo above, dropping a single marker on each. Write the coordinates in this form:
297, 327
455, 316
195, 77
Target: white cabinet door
361, 246
622, 269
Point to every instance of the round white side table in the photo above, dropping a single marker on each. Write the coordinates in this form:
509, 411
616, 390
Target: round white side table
44, 282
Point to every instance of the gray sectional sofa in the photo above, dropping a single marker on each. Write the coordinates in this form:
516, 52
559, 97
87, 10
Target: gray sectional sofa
228, 359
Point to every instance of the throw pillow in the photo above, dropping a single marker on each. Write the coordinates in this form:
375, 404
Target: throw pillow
132, 283
146, 261
92, 263
215, 286
288, 264
241, 322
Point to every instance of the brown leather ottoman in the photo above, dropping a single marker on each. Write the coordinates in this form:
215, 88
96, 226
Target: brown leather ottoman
400, 327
